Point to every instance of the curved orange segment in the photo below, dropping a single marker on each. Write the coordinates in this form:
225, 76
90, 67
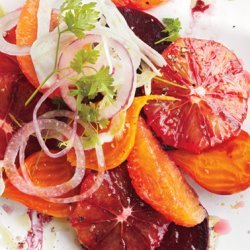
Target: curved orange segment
117, 151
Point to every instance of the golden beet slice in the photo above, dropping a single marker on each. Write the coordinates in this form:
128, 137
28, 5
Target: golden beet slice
44, 171
224, 169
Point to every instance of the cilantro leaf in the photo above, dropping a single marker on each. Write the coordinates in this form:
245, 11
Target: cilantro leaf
88, 112
105, 80
103, 123
84, 56
79, 17
172, 29
90, 86
70, 4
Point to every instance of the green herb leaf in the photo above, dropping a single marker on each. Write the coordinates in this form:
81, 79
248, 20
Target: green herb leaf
88, 113
173, 26
103, 123
79, 17
91, 138
84, 56
100, 82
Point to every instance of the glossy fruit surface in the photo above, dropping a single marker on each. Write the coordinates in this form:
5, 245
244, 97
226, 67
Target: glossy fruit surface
224, 169
146, 27
117, 151
158, 181
183, 238
210, 82
43, 172
15, 90
138, 4
26, 34
115, 217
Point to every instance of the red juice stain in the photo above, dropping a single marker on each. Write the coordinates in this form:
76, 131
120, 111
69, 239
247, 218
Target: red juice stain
7, 208
34, 237
222, 227
200, 6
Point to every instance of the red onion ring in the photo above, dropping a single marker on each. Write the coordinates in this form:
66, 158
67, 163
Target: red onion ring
94, 188
126, 73
7, 22
20, 139
37, 129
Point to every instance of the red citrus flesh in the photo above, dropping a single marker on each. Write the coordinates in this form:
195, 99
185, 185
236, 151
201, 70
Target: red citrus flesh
115, 217
15, 89
212, 93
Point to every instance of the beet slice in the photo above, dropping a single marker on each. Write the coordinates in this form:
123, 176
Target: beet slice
115, 217
180, 238
145, 26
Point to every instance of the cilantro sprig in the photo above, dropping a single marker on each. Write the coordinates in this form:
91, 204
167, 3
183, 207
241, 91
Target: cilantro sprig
172, 29
83, 56
89, 86
79, 17
89, 83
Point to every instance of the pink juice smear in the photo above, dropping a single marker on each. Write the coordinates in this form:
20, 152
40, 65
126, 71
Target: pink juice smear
222, 227
200, 6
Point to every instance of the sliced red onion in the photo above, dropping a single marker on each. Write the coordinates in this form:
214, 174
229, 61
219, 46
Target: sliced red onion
58, 113
20, 139
118, 24
22, 163
98, 181
37, 129
7, 22
123, 75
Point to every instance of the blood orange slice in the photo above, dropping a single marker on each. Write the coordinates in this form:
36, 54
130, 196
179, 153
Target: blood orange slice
14, 91
115, 217
209, 81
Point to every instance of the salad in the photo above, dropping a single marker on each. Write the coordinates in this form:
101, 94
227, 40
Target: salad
103, 108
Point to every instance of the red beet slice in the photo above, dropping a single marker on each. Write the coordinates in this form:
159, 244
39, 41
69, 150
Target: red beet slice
115, 217
180, 238
145, 26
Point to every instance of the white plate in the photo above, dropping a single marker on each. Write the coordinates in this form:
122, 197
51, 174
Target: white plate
228, 22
